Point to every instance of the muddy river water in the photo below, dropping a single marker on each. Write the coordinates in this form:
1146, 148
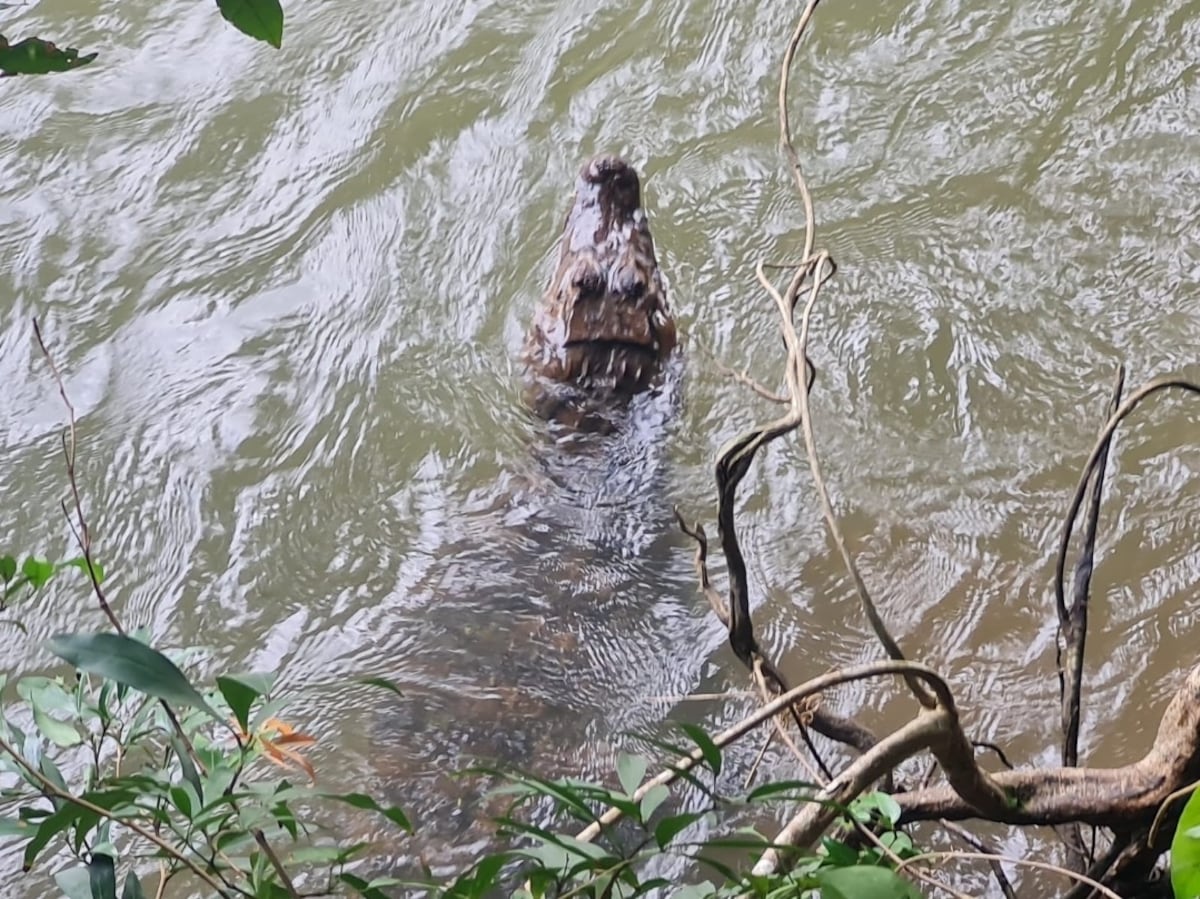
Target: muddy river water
288, 290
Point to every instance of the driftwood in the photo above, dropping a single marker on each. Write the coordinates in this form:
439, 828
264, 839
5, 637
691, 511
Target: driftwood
1135, 804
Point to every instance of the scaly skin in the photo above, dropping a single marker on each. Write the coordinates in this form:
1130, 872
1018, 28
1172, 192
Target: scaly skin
604, 328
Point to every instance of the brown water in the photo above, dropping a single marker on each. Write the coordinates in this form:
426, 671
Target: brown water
288, 289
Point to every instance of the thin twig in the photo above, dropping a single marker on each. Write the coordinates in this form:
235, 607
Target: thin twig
83, 535
975, 843
785, 128
766, 712
833, 726
48, 786
1166, 804
261, 839
1150, 387
1022, 862
741, 377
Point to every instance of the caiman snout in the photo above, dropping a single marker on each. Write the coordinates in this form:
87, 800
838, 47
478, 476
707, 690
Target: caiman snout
604, 323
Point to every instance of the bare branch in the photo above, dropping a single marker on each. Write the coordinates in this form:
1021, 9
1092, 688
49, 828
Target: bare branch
766, 713
79, 527
1020, 862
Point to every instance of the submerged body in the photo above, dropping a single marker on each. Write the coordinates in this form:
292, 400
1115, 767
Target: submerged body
563, 549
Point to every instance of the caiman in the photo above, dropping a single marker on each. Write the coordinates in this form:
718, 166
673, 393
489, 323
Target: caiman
540, 629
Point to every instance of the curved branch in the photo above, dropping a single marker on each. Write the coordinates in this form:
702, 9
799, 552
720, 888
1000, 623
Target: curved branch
766, 713
1106, 797
48, 786
1163, 383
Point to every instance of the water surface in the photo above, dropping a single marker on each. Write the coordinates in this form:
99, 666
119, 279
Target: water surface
288, 290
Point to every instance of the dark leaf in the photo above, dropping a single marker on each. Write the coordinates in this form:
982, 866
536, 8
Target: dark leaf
480, 879
839, 853
864, 882
1185, 851
362, 887
240, 691
362, 801
669, 828
34, 56
712, 754
630, 770
130, 662
47, 830
8, 568
382, 682
262, 19
132, 888
81, 563
103, 876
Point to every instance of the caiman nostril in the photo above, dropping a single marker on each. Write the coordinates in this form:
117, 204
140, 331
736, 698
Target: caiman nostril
633, 290
588, 282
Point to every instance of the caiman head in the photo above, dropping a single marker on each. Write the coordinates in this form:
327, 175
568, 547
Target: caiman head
604, 325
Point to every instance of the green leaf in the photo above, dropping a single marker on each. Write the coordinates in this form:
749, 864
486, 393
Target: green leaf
362, 801
382, 682
899, 842
694, 891
863, 882
81, 563
882, 804
1185, 851
103, 876
839, 853
791, 790
362, 887
132, 888
262, 19
654, 797
630, 769
50, 771
60, 733
186, 767
669, 828
480, 879
712, 754
240, 691
184, 798
44, 696
8, 568
14, 827
75, 883
317, 855
47, 830
34, 56
38, 571
127, 661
